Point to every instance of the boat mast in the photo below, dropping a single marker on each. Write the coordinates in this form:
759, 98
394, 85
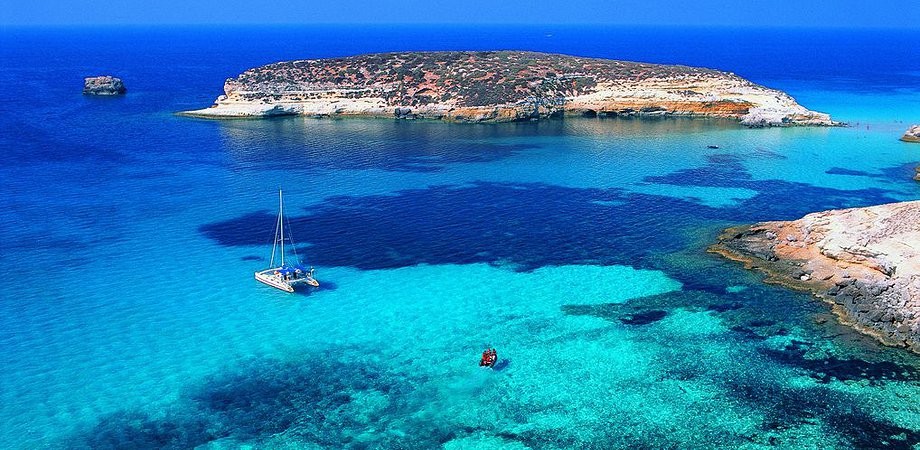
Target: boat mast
281, 223
271, 263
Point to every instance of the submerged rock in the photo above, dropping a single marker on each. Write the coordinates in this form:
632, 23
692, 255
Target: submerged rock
865, 261
103, 85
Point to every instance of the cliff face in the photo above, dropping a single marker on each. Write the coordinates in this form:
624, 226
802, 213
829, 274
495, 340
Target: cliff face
866, 261
500, 86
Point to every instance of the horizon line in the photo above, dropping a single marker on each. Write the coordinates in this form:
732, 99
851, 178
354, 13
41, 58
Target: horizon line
450, 24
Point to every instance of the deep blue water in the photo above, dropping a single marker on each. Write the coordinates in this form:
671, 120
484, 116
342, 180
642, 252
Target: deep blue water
128, 238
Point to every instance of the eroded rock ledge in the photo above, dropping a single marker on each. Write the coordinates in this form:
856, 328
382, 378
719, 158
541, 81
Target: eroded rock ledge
499, 87
865, 261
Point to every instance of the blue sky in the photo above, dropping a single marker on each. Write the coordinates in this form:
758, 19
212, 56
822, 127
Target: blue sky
794, 13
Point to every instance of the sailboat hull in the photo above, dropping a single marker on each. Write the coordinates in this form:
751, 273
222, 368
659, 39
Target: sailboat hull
274, 281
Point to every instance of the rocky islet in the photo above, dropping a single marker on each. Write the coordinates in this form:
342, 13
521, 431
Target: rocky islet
103, 85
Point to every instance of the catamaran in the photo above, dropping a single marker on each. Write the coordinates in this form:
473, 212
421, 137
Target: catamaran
286, 275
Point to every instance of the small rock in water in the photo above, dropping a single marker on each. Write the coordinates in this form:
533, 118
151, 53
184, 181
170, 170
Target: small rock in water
103, 85
912, 134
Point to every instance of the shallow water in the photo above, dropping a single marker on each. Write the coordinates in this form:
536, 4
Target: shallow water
576, 248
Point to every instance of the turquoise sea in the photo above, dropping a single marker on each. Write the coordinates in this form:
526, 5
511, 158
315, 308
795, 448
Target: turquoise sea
129, 317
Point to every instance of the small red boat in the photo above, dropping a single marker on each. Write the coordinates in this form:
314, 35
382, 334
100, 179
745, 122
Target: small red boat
489, 358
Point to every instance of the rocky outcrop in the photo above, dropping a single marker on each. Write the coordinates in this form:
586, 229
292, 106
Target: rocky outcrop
103, 85
499, 87
865, 261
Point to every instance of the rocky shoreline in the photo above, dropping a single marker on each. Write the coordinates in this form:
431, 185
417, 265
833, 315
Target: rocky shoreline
863, 261
500, 86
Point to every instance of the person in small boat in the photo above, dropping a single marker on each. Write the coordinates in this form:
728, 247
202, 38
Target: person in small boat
489, 357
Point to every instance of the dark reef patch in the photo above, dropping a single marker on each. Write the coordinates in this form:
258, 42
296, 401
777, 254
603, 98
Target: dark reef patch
622, 313
764, 153
309, 401
723, 307
900, 172
845, 171
527, 225
758, 330
644, 317
783, 407
647, 309
787, 408
860, 430
830, 368
774, 197
748, 333
724, 170
322, 402
611, 435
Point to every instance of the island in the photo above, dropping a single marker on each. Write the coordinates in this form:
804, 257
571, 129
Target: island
864, 261
500, 86
103, 85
